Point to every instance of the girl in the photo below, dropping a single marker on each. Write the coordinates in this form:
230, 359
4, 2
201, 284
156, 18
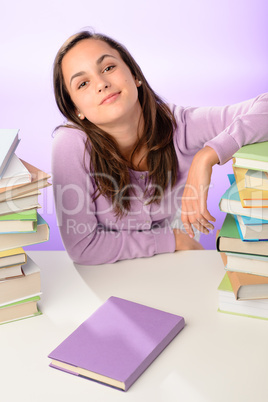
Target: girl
126, 162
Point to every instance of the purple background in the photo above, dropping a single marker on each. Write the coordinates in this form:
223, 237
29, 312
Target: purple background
196, 53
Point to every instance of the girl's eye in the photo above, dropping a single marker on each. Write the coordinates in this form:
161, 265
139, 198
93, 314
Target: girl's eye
109, 68
84, 83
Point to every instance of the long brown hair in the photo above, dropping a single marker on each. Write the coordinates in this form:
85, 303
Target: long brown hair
106, 160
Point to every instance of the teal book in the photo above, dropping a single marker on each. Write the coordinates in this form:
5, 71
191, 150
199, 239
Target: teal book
14, 240
251, 232
248, 220
227, 302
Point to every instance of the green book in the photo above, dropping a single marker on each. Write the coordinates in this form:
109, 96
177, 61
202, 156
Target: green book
252, 156
16, 303
14, 240
19, 310
25, 221
227, 302
229, 240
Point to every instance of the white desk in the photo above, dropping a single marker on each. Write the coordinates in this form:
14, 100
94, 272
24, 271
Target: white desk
217, 357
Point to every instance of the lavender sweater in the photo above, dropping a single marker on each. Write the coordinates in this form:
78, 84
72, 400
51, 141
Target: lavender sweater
91, 233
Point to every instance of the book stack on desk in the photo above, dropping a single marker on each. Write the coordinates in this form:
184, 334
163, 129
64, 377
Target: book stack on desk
243, 237
20, 225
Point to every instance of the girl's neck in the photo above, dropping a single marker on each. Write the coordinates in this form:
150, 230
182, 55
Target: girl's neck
127, 135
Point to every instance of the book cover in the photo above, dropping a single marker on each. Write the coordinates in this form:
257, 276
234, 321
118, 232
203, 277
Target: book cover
230, 240
250, 221
15, 256
39, 180
9, 140
253, 156
249, 197
247, 286
248, 308
14, 240
15, 173
117, 343
24, 221
230, 203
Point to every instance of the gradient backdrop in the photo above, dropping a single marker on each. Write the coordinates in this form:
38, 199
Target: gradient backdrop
196, 53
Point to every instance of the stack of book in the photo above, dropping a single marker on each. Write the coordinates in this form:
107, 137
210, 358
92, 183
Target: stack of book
243, 238
20, 225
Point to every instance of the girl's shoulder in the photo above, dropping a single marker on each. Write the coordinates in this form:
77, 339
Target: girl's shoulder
178, 112
70, 132
68, 137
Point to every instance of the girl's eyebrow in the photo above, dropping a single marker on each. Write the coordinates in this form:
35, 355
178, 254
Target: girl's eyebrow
98, 62
100, 59
76, 75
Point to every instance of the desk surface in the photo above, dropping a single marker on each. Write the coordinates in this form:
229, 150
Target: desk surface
217, 357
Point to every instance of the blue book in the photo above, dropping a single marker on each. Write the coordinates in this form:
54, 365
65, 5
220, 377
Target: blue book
9, 140
251, 232
248, 220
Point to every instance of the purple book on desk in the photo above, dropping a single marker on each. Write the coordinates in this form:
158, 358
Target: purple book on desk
117, 342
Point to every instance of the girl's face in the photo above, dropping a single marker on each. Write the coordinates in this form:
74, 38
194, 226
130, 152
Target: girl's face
100, 84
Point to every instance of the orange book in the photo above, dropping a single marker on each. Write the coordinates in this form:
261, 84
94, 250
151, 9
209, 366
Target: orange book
249, 197
248, 286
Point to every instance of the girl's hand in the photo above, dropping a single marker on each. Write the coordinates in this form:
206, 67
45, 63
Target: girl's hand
184, 242
194, 199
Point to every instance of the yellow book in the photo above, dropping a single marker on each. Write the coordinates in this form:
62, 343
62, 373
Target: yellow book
249, 197
15, 256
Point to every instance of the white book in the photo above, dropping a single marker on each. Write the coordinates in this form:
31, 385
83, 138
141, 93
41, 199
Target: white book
22, 287
254, 308
10, 272
253, 164
9, 139
249, 264
12, 256
15, 173
20, 203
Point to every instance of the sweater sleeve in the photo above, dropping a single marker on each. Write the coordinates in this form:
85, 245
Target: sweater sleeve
225, 129
86, 241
